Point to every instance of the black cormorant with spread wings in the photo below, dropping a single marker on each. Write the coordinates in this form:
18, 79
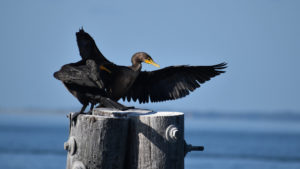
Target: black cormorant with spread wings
104, 82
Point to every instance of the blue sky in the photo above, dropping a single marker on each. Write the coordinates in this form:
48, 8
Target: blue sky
259, 39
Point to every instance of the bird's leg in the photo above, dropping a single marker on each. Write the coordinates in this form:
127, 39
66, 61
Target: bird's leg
91, 109
74, 115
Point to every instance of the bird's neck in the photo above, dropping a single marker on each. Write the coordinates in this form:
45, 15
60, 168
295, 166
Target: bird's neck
136, 66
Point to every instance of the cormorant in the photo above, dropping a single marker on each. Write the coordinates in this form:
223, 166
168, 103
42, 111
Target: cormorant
129, 82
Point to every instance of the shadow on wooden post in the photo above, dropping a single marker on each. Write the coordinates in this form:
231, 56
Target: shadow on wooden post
149, 147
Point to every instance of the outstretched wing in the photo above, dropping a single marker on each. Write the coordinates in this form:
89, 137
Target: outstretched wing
171, 82
88, 48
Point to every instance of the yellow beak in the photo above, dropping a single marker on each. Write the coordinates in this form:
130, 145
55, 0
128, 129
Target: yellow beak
151, 62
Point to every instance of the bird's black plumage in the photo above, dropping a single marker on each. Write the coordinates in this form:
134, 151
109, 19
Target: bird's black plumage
82, 79
88, 48
83, 82
171, 82
95, 76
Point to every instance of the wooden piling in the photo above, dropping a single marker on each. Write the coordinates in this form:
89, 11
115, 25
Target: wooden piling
132, 139
97, 142
156, 141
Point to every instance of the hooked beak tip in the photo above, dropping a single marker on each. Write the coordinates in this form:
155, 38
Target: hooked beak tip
152, 63
156, 65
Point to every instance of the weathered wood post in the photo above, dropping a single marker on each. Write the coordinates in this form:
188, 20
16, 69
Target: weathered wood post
156, 141
97, 142
132, 139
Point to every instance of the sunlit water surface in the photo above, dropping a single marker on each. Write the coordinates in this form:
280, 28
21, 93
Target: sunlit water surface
232, 141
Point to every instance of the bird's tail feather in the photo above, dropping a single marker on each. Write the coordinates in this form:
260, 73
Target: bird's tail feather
107, 102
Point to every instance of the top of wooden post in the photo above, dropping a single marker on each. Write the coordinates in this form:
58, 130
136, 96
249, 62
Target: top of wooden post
132, 112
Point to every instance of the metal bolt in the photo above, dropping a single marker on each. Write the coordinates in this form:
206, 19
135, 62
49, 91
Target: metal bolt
175, 133
189, 148
172, 133
66, 146
70, 145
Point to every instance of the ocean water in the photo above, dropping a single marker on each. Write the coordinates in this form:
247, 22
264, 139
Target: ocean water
231, 140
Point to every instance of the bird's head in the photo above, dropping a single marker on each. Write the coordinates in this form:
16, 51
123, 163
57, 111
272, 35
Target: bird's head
143, 57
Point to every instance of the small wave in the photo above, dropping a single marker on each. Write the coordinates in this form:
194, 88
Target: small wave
248, 157
32, 151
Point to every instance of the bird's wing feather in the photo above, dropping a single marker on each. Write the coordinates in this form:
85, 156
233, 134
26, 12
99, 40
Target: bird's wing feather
171, 82
79, 75
88, 48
